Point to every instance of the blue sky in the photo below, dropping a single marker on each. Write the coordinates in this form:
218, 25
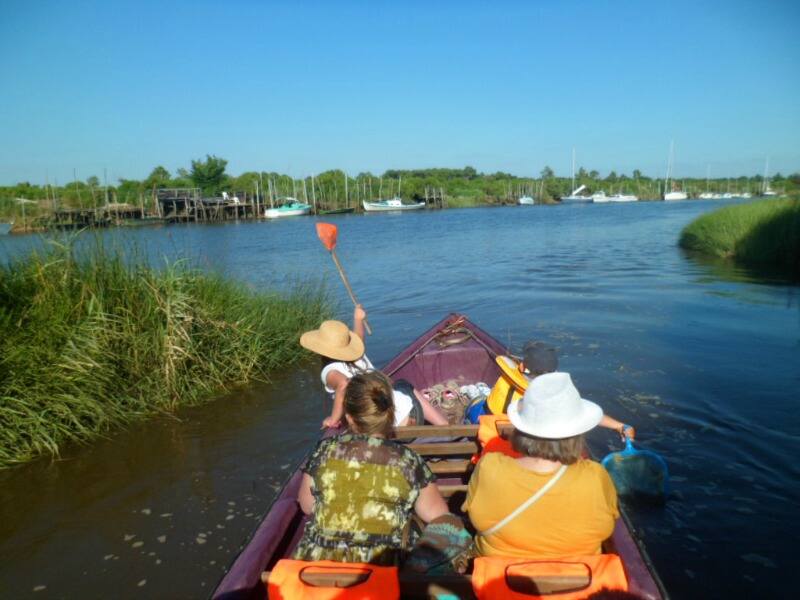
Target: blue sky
303, 87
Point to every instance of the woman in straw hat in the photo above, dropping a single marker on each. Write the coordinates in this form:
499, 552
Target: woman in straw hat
551, 501
360, 487
343, 357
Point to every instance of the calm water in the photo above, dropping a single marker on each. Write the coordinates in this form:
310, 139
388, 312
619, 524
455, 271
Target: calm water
702, 358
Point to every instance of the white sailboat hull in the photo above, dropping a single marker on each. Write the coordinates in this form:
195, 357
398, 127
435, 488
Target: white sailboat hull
526, 201
390, 205
676, 196
575, 199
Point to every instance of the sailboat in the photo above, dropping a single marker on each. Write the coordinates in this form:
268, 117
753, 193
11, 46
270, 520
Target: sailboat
576, 195
675, 194
767, 191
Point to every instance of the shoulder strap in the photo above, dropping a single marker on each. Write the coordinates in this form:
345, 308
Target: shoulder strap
525, 505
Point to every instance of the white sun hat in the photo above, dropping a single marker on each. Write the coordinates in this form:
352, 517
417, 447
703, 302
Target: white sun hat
552, 408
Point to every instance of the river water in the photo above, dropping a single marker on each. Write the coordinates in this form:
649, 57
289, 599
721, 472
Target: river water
702, 358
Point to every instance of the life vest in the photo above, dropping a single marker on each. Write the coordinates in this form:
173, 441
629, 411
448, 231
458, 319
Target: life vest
569, 578
329, 580
490, 439
508, 388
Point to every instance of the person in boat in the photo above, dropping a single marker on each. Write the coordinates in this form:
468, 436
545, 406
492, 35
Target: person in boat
360, 487
537, 359
577, 506
343, 355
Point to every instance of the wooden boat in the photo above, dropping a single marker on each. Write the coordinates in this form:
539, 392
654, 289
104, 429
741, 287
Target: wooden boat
337, 211
391, 204
457, 349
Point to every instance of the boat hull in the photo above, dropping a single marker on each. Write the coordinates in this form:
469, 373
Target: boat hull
380, 207
672, 196
453, 348
277, 213
576, 199
336, 211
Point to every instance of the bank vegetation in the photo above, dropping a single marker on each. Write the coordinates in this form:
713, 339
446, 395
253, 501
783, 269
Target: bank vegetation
764, 234
92, 338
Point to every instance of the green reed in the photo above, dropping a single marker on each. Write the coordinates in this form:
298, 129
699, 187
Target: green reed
761, 233
91, 339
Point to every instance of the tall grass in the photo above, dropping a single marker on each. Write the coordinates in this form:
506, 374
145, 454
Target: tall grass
762, 233
92, 339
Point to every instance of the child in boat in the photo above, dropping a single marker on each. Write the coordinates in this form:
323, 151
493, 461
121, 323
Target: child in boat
538, 359
360, 488
578, 506
343, 356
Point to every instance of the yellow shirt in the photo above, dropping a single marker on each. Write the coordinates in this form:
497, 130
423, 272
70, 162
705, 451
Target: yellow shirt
572, 518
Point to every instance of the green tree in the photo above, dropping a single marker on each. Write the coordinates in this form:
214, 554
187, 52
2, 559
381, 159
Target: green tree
159, 177
547, 173
93, 181
594, 174
209, 174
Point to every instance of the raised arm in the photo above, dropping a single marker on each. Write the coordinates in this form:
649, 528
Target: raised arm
359, 316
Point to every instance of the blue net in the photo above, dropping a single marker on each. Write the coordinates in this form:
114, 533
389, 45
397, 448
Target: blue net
638, 473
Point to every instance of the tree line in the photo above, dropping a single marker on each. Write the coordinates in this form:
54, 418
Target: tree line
334, 188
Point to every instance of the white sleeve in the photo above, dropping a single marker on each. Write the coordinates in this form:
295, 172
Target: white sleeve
338, 367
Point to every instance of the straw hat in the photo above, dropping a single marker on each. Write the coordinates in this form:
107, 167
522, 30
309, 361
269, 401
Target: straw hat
552, 408
334, 340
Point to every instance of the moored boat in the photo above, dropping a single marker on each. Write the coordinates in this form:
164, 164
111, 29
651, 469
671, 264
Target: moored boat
391, 204
576, 196
457, 349
620, 197
676, 195
526, 201
291, 207
336, 211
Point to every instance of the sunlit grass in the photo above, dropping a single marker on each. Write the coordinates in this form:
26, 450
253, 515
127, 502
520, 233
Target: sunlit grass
762, 233
91, 339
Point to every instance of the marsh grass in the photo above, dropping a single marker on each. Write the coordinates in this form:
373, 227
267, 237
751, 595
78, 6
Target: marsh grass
762, 233
91, 338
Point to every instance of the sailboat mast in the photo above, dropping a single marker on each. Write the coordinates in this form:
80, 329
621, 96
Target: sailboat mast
766, 175
669, 165
313, 193
573, 169
346, 197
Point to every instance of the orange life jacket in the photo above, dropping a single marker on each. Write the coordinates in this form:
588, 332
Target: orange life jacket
289, 580
489, 437
569, 578
508, 388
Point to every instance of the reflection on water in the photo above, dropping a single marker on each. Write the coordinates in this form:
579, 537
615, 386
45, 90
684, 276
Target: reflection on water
700, 356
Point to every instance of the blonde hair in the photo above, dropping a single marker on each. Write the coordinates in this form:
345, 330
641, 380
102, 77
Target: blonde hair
369, 401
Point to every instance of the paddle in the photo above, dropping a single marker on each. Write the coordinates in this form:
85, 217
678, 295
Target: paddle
638, 472
327, 235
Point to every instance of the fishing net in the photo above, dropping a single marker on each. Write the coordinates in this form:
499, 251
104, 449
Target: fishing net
638, 473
